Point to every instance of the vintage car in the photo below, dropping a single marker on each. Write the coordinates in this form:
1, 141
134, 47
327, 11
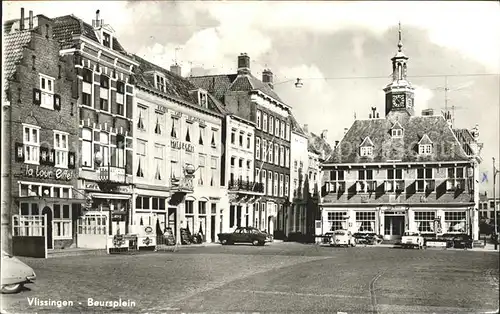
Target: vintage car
412, 240
342, 238
15, 274
327, 237
462, 241
243, 235
369, 238
269, 237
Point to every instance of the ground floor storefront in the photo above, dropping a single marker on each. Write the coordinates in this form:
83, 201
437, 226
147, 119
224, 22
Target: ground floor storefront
392, 221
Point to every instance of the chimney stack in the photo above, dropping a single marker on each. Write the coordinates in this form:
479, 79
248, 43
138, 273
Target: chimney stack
267, 77
336, 144
323, 134
370, 116
306, 128
175, 68
374, 109
378, 116
243, 64
428, 112
96, 23
31, 20
21, 22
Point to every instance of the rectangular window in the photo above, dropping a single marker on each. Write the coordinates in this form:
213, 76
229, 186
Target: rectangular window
275, 186
87, 149
264, 150
240, 140
425, 221
213, 178
61, 149
175, 167
189, 208
47, 89
159, 124
394, 180
249, 141
282, 156
366, 151
175, 128
259, 121
365, 181
264, 122
277, 127
336, 221
287, 178
87, 87
106, 39
264, 181
233, 136
213, 209
365, 221
159, 156
287, 157
160, 82
281, 185
257, 148
201, 169
270, 183
271, 125
202, 208
337, 181
425, 149
31, 143
104, 148
104, 93
61, 223
141, 158
276, 154
270, 153
456, 179
282, 129
142, 119
120, 98
455, 222
425, 181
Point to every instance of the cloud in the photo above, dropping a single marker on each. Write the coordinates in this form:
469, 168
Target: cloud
423, 96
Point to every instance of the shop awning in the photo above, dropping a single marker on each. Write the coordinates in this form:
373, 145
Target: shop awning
111, 196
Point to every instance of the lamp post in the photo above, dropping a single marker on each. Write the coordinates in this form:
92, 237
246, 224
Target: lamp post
495, 172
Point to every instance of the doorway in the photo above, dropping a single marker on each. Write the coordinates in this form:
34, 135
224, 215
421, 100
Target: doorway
212, 229
172, 221
47, 211
393, 227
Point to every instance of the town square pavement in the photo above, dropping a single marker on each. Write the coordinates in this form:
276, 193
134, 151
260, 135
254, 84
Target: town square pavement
276, 278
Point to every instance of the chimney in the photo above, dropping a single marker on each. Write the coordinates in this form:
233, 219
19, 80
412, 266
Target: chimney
336, 144
243, 64
378, 116
447, 116
370, 116
175, 68
31, 20
306, 128
374, 109
21, 22
267, 77
323, 134
96, 23
428, 112
345, 130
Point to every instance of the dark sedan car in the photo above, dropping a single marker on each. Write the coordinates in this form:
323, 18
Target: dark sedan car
463, 241
243, 235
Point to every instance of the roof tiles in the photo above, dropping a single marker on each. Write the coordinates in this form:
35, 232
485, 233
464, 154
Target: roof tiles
14, 45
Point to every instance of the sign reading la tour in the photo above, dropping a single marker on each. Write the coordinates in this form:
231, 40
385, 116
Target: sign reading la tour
58, 174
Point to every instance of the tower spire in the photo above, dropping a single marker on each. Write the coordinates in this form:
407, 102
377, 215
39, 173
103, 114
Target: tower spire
400, 42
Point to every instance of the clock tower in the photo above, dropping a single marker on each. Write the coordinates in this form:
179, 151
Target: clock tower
399, 93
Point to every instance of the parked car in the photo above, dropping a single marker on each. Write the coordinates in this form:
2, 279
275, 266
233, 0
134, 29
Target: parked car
243, 235
463, 241
327, 237
269, 237
15, 274
342, 238
367, 238
412, 240
448, 238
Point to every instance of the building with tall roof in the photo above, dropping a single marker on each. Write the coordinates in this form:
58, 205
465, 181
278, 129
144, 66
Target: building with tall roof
40, 125
247, 97
403, 172
177, 155
105, 93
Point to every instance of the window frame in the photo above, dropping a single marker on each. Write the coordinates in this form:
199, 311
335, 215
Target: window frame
47, 94
61, 150
32, 146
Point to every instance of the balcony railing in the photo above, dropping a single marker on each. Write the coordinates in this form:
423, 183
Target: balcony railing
182, 185
245, 186
112, 174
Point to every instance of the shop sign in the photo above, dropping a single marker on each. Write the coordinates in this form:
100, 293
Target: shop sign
212, 198
58, 174
181, 145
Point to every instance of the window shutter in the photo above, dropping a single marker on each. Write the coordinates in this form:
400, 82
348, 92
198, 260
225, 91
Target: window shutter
71, 160
57, 102
52, 157
37, 97
19, 152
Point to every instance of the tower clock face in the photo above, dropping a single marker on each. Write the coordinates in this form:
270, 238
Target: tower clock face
398, 101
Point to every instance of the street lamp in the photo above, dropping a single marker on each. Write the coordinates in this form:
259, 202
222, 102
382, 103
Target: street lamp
495, 172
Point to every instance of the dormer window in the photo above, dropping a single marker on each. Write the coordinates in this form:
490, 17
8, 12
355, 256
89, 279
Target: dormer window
160, 82
203, 98
106, 39
397, 130
425, 145
366, 148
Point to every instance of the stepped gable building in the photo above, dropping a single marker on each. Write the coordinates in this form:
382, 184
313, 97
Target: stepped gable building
105, 95
177, 157
403, 172
254, 100
40, 125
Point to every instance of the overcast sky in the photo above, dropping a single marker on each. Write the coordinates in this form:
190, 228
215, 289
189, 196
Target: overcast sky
321, 42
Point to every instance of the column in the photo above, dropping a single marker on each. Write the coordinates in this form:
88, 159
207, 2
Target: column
324, 221
411, 220
381, 221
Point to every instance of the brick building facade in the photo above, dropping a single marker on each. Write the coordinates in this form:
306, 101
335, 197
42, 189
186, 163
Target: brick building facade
39, 157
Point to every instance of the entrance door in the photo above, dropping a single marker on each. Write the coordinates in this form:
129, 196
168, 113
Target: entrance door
172, 221
212, 229
47, 211
393, 227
